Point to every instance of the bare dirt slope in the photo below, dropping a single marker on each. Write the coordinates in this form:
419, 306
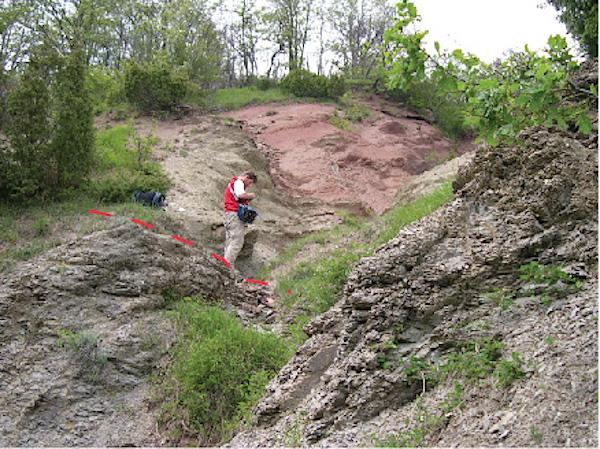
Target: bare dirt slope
310, 157
307, 168
201, 154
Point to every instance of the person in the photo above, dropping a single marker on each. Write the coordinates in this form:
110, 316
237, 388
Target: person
235, 229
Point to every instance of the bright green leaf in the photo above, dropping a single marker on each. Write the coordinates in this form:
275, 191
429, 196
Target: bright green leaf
458, 54
523, 99
489, 84
448, 83
491, 140
585, 124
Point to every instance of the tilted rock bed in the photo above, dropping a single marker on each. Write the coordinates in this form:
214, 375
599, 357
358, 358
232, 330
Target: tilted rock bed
427, 291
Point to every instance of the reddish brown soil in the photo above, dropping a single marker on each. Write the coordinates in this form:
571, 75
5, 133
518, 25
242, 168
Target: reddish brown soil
312, 158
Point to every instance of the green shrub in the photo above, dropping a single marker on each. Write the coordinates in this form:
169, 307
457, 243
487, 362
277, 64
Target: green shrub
220, 368
264, 83
473, 361
235, 98
337, 86
154, 87
508, 371
303, 83
353, 109
124, 166
119, 185
448, 112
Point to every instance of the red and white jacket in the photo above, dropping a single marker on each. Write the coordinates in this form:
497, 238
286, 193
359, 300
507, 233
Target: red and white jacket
230, 201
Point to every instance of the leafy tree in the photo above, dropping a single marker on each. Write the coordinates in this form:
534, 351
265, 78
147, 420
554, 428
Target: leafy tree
190, 40
246, 32
527, 89
15, 35
74, 135
290, 20
24, 159
359, 27
50, 130
581, 19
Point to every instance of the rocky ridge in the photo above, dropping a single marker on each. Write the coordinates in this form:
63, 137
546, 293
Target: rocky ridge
427, 292
83, 330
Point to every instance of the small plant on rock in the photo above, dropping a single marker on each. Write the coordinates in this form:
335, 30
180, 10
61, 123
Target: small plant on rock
553, 280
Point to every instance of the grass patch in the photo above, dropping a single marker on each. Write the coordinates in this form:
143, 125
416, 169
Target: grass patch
318, 285
218, 373
399, 217
318, 264
122, 165
233, 99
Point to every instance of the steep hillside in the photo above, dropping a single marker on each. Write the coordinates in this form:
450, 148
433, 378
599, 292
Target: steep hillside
84, 326
476, 326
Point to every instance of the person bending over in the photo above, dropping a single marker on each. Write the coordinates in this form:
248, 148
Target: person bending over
235, 229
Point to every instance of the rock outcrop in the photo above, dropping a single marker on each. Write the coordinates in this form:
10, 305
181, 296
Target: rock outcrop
427, 292
82, 329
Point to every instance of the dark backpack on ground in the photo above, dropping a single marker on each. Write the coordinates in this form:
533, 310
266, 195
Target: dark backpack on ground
153, 199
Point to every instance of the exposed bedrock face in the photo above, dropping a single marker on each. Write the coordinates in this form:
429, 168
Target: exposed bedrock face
83, 329
415, 294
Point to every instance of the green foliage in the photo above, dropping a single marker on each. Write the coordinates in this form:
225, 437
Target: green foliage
502, 99
540, 274
508, 371
303, 83
554, 280
154, 87
448, 111
397, 218
74, 133
353, 109
502, 298
472, 361
416, 369
124, 165
337, 86
107, 89
220, 369
340, 122
264, 83
50, 131
320, 283
581, 19
233, 99
26, 166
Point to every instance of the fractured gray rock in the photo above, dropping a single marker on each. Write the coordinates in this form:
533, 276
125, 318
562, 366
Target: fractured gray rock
83, 329
424, 292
